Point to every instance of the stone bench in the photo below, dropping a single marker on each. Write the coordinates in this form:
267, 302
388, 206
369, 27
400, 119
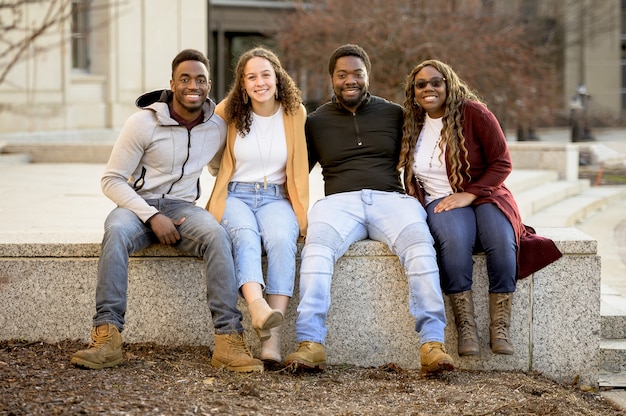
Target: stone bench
47, 287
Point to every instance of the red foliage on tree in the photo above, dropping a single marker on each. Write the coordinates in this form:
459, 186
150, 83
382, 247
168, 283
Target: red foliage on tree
508, 60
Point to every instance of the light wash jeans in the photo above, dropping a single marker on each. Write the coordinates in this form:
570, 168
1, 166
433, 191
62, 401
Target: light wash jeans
201, 235
398, 220
461, 232
256, 216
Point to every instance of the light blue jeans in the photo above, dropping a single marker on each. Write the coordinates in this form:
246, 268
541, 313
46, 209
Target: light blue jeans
256, 216
462, 232
337, 221
201, 235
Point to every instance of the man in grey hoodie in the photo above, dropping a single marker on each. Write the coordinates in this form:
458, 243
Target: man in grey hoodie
153, 175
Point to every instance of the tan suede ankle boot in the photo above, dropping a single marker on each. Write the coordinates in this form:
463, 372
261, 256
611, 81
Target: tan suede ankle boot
270, 349
263, 318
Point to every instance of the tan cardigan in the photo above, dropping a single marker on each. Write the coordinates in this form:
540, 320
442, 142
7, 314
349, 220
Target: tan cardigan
297, 183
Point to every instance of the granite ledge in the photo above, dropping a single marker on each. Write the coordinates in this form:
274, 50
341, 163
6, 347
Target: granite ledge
60, 245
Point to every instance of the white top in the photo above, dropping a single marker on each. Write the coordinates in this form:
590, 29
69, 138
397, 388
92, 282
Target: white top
429, 164
262, 154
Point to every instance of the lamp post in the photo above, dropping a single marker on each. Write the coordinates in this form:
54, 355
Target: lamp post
579, 118
585, 135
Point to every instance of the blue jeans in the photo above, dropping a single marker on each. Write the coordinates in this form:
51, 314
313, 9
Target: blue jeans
256, 216
337, 221
201, 235
462, 232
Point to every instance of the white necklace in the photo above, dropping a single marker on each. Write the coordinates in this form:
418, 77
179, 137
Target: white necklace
258, 131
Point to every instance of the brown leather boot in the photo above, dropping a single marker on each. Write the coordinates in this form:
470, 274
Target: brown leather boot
309, 355
264, 318
463, 308
500, 314
434, 359
232, 353
105, 349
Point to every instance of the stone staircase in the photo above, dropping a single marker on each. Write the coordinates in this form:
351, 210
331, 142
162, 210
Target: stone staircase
547, 201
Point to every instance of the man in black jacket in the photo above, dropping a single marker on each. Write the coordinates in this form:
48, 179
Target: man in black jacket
356, 139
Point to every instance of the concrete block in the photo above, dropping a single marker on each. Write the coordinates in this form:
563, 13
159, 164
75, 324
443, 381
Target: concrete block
47, 292
560, 157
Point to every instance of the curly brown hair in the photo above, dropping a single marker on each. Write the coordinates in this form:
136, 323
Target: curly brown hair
289, 95
457, 93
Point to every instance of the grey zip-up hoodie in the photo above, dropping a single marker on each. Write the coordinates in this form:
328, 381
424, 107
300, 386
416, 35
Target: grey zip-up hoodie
155, 157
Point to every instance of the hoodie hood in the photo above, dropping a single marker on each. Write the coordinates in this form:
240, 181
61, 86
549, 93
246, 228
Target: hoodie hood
152, 97
147, 101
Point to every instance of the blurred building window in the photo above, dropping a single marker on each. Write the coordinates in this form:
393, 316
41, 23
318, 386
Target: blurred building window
80, 35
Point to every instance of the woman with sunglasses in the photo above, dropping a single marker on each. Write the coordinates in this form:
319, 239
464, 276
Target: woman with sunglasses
455, 160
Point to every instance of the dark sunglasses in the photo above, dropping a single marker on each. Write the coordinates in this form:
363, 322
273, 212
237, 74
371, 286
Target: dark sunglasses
420, 84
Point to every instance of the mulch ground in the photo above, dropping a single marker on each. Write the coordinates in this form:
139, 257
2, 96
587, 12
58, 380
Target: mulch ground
37, 379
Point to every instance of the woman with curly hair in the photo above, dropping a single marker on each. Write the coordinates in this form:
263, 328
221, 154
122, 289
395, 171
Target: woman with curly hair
261, 193
455, 160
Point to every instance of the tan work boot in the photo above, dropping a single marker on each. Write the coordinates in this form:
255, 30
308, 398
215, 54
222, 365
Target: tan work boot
463, 308
270, 349
264, 318
434, 359
500, 314
105, 349
310, 355
231, 352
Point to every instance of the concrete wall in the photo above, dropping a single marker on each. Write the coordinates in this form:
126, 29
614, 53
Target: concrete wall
47, 286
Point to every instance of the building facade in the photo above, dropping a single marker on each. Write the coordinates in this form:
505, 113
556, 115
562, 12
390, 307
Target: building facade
86, 71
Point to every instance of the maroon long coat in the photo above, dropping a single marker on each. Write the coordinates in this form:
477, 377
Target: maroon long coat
489, 166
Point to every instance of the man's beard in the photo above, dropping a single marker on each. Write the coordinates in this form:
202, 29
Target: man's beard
352, 102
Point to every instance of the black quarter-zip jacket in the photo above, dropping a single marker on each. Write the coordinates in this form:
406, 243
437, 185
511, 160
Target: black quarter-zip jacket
356, 150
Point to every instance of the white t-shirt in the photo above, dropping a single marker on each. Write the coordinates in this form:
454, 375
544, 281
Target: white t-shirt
262, 153
429, 164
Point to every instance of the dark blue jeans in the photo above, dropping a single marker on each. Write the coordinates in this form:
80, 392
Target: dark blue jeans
201, 236
462, 232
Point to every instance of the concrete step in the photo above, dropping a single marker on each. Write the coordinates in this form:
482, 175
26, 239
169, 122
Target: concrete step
571, 211
612, 367
613, 359
613, 305
14, 158
521, 180
612, 379
544, 195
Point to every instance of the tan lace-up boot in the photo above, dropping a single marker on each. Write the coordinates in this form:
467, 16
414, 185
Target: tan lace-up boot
231, 353
434, 359
500, 314
463, 308
105, 349
264, 318
309, 355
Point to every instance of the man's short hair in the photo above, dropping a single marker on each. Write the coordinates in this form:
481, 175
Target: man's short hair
189, 55
349, 50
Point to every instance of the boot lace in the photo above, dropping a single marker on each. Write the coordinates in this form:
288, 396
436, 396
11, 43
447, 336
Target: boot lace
500, 320
463, 315
238, 345
99, 339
